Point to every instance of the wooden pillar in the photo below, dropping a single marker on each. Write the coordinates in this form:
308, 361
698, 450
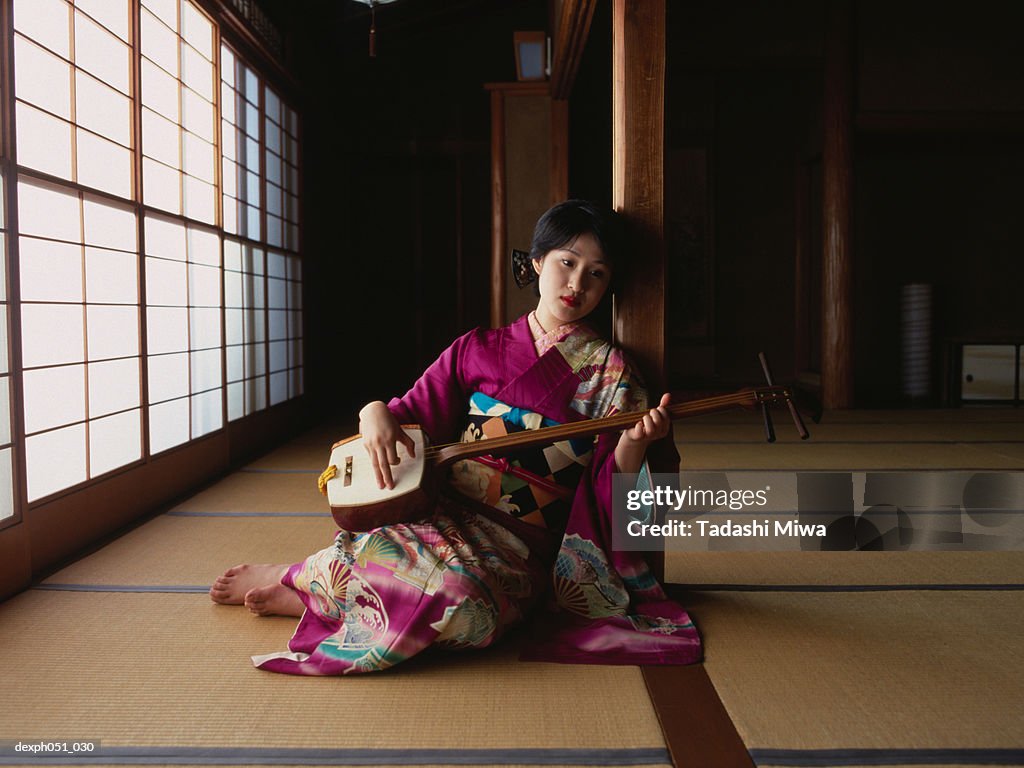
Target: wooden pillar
837, 206
638, 117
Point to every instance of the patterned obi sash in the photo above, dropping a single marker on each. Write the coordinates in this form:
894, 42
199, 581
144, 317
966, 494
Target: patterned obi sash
535, 485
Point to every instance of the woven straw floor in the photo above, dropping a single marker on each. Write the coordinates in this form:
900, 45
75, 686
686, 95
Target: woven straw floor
124, 646
863, 658
821, 659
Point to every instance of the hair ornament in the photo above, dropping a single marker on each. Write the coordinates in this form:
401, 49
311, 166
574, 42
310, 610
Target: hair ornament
522, 268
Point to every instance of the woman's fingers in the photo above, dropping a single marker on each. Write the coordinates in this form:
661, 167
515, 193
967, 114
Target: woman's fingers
661, 416
657, 421
384, 461
385, 455
659, 426
376, 466
653, 425
408, 442
391, 452
381, 463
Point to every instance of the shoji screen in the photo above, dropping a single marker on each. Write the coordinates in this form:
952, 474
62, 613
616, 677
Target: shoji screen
178, 125
183, 310
150, 263
73, 96
79, 336
245, 328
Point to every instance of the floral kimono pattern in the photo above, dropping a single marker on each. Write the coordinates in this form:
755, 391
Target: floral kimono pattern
507, 531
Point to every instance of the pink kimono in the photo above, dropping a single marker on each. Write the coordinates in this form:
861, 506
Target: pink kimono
507, 533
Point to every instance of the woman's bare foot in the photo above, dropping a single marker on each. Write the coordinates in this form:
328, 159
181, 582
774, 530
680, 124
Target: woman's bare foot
232, 587
275, 600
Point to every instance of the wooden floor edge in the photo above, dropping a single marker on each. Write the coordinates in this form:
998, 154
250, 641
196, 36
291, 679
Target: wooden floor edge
698, 731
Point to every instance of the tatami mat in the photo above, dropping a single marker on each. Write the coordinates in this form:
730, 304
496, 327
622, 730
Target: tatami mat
174, 670
156, 674
886, 758
870, 671
851, 456
852, 440
259, 492
844, 568
752, 431
859, 674
308, 457
189, 550
971, 415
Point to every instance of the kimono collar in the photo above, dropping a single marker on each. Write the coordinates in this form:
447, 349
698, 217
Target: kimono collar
544, 383
544, 340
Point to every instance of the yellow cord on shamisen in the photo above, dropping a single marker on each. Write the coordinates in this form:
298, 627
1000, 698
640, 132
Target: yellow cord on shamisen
326, 475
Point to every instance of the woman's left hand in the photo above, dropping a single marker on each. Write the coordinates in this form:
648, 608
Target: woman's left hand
633, 442
655, 424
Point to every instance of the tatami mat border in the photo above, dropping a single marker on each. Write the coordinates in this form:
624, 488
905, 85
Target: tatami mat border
191, 513
950, 441
892, 418
175, 588
731, 513
847, 587
865, 468
199, 588
825, 758
293, 471
292, 756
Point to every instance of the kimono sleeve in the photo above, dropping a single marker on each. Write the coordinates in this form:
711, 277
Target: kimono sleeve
438, 400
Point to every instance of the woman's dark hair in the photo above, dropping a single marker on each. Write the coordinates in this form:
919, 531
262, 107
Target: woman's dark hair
563, 223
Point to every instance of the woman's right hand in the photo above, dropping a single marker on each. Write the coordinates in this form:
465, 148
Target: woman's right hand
381, 433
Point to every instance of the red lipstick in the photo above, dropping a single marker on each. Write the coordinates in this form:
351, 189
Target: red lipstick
570, 301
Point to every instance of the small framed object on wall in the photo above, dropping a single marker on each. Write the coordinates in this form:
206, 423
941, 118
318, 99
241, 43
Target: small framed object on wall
531, 55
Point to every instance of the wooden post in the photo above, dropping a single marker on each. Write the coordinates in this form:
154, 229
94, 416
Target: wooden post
837, 205
638, 188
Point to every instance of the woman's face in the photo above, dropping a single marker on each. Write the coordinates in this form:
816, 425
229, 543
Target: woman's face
573, 280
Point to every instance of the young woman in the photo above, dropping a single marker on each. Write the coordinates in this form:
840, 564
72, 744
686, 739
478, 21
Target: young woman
504, 529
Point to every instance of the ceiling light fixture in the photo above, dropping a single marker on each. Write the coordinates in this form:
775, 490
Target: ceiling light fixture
373, 22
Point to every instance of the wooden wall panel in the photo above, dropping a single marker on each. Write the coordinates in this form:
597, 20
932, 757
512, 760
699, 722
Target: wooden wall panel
529, 173
15, 562
528, 152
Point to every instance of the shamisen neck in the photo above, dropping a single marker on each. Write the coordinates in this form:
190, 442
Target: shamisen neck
497, 446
